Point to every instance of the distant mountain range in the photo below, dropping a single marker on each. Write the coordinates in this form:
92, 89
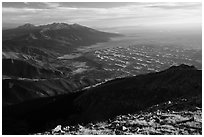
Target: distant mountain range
55, 37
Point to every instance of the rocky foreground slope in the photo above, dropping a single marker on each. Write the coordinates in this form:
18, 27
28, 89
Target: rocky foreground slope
173, 96
178, 117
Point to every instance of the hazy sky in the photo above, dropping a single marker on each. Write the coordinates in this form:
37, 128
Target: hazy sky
103, 15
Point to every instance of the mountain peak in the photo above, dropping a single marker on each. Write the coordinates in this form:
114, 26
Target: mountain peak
182, 67
56, 26
76, 25
27, 26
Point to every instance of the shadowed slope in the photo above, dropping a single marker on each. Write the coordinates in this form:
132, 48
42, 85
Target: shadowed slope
120, 96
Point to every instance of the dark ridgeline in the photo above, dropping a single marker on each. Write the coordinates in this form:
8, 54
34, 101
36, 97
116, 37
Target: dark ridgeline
119, 96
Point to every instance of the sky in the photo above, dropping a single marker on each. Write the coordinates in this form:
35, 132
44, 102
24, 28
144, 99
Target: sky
103, 14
